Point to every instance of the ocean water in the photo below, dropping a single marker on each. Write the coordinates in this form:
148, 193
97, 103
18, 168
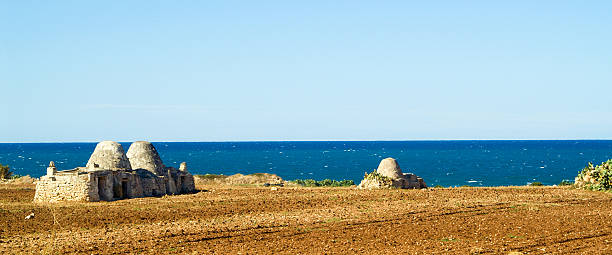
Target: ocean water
447, 163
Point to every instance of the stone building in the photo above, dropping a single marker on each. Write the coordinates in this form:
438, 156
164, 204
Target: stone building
111, 174
389, 175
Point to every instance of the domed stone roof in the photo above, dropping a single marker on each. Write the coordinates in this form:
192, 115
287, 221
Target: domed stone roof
143, 155
109, 155
390, 168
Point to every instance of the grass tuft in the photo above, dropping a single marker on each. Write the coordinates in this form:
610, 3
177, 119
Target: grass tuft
323, 183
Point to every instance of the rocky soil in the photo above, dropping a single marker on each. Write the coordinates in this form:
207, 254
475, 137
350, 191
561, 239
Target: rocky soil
223, 219
238, 179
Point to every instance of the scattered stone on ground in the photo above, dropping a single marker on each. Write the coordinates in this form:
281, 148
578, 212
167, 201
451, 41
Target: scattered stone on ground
19, 180
31, 215
240, 179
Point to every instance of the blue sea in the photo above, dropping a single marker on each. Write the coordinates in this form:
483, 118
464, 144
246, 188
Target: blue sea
447, 163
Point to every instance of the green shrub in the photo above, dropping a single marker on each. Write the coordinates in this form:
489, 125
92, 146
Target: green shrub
210, 176
324, 183
536, 184
346, 183
599, 177
310, 183
566, 183
375, 176
438, 186
5, 172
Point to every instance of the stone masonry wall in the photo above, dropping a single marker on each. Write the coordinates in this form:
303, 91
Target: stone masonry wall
188, 184
72, 187
110, 185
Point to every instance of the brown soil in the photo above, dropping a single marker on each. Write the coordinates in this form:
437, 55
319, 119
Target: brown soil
234, 220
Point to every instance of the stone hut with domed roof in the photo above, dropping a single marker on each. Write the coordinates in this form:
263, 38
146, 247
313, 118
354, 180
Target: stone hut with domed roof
111, 174
389, 175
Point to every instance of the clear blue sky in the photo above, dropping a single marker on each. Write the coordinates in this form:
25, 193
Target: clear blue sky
304, 70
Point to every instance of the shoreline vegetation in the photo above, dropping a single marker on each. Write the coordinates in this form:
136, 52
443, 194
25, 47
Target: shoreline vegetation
592, 177
267, 179
261, 179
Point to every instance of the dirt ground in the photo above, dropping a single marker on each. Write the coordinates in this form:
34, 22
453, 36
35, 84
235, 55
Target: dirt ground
248, 220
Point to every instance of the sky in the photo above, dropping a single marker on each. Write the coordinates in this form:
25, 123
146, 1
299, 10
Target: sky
227, 70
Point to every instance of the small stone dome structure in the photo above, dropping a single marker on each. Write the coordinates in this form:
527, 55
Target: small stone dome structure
389, 175
109, 155
390, 168
143, 155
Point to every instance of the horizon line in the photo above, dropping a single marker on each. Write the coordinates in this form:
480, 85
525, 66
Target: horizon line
317, 140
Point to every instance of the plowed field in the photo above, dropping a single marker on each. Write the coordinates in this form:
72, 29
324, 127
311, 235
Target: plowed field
248, 220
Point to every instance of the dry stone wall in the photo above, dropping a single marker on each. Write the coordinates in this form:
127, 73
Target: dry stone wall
73, 187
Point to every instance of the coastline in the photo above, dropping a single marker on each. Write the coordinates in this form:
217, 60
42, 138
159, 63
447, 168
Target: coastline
446, 163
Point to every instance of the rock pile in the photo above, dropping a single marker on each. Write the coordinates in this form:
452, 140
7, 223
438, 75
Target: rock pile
240, 179
389, 175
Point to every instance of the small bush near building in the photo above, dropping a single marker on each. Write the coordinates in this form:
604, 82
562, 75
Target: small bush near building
324, 183
5, 172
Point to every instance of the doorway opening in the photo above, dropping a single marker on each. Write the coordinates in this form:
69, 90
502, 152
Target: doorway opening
102, 187
182, 190
124, 188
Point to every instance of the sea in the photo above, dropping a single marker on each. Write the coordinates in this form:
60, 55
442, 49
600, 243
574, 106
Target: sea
446, 163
